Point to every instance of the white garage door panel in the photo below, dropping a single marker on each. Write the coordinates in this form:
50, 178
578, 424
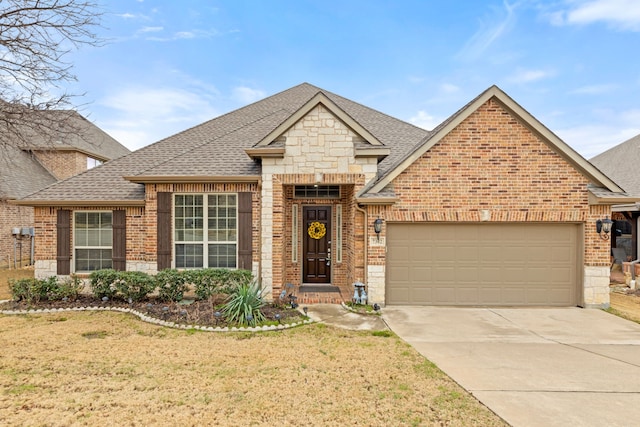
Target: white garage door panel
483, 264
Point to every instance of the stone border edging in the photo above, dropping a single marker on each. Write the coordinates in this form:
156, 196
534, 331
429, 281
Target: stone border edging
155, 321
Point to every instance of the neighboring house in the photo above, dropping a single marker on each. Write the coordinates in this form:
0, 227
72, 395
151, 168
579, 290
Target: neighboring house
33, 163
489, 208
621, 164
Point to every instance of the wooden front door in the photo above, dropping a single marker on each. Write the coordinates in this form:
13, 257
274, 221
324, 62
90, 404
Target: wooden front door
317, 244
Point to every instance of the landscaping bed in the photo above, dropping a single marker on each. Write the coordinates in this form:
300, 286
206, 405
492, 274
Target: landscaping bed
186, 312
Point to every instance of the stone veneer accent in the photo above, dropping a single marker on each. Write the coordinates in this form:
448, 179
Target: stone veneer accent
319, 149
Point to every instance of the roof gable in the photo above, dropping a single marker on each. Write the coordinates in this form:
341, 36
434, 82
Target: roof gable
554, 142
319, 98
216, 149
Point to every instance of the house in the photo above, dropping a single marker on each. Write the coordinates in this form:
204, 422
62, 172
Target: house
312, 190
620, 163
33, 162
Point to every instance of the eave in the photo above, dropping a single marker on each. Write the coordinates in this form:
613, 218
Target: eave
93, 203
193, 179
377, 152
376, 201
261, 152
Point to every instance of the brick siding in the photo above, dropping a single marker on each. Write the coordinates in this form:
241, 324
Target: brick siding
62, 164
14, 216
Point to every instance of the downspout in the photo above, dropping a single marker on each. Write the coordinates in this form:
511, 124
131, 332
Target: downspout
365, 279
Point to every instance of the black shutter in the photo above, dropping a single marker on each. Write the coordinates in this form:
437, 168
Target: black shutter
119, 253
63, 242
164, 231
245, 231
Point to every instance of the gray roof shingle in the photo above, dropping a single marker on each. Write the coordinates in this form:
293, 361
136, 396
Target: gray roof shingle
216, 148
620, 163
22, 174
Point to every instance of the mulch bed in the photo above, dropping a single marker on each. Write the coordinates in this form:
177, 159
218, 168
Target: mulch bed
189, 312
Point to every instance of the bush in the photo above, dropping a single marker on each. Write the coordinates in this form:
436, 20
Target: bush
244, 304
103, 283
172, 284
36, 290
127, 285
211, 281
69, 288
133, 286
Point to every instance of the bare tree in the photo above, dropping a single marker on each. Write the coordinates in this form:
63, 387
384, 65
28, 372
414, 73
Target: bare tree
35, 36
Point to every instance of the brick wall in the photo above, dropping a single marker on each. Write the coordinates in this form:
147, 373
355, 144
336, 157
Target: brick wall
492, 162
62, 164
141, 222
14, 216
343, 274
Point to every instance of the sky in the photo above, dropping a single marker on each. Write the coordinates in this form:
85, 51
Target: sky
168, 65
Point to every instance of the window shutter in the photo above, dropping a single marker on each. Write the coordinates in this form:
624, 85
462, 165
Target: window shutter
245, 231
63, 245
164, 231
119, 254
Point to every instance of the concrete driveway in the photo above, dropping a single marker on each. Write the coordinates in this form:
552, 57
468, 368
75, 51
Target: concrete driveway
533, 367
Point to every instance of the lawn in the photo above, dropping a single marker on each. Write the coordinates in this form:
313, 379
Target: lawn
99, 368
103, 368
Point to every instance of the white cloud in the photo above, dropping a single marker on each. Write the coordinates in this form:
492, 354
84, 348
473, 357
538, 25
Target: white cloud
527, 76
619, 14
138, 116
247, 95
150, 29
449, 88
595, 89
425, 120
490, 31
591, 140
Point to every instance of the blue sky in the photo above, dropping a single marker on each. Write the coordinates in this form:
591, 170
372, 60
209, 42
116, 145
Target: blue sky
169, 65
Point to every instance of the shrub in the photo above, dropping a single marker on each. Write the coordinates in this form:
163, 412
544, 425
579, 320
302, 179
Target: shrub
244, 304
172, 284
69, 288
210, 281
24, 290
103, 283
134, 286
35, 290
127, 285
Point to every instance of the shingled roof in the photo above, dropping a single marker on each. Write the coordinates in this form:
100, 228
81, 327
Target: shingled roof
22, 174
620, 163
216, 148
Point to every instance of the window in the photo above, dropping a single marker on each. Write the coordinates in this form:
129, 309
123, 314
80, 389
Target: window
92, 163
205, 230
317, 191
93, 240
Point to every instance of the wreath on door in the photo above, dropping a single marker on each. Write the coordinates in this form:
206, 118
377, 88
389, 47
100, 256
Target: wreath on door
317, 230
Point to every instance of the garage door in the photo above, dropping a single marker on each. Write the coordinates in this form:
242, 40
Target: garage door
483, 264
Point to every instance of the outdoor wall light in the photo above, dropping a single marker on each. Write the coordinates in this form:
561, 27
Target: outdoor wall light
377, 227
603, 227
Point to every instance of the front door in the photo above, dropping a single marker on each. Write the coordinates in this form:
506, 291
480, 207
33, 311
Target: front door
317, 244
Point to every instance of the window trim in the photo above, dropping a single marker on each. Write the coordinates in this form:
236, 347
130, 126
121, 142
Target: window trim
317, 192
205, 242
294, 233
339, 232
74, 247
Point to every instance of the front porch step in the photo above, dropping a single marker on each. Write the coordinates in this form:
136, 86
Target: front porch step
319, 298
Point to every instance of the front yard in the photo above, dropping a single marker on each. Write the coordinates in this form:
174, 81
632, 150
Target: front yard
99, 368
